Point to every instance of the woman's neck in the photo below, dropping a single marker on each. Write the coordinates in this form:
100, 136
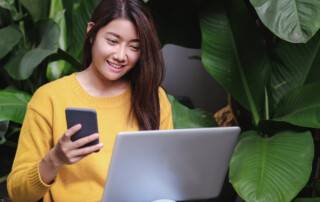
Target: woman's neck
96, 85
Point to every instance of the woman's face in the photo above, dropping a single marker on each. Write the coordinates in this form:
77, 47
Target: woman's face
116, 49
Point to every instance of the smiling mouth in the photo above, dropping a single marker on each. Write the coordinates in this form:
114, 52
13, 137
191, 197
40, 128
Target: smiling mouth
114, 65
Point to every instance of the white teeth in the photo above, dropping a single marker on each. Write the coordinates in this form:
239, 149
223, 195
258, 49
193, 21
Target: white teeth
115, 65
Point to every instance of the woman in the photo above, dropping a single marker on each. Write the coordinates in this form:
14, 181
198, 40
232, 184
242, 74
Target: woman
121, 81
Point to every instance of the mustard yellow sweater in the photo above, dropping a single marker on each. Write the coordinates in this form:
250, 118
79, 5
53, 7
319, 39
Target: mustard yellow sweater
45, 123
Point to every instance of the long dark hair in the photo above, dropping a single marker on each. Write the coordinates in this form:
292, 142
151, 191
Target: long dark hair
147, 75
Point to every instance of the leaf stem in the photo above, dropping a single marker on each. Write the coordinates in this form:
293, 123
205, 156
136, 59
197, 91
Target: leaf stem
266, 104
67, 57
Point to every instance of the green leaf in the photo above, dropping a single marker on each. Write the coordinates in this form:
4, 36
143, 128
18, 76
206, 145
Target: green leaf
271, 169
183, 117
49, 32
13, 66
13, 105
78, 13
314, 73
233, 53
293, 66
10, 37
4, 125
55, 70
301, 107
295, 21
31, 60
75, 64
7, 4
39, 9
57, 14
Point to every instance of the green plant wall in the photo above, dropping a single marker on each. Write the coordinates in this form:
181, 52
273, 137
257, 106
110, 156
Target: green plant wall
266, 55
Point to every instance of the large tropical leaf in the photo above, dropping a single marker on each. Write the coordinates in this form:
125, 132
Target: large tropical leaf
31, 60
39, 9
233, 53
271, 169
177, 23
49, 33
57, 14
13, 66
293, 66
292, 20
7, 4
77, 14
13, 105
10, 37
301, 107
55, 69
183, 117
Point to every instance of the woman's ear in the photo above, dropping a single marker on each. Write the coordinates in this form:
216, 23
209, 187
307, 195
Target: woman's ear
89, 26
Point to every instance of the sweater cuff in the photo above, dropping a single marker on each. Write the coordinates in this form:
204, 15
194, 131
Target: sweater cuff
35, 179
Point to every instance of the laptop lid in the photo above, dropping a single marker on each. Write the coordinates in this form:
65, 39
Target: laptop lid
180, 164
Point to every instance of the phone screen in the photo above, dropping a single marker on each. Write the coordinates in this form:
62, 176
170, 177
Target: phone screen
88, 120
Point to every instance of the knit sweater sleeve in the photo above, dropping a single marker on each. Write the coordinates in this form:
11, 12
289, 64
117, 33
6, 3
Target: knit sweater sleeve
166, 121
35, 140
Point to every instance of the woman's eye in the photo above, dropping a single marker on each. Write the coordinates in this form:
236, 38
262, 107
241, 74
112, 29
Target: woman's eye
111, 41
135, 48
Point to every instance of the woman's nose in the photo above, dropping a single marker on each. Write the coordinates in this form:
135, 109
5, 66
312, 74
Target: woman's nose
120, 54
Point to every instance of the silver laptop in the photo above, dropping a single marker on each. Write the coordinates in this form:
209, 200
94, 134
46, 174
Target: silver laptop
181, 164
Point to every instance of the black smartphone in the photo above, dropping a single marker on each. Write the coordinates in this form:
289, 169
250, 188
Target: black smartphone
88, 120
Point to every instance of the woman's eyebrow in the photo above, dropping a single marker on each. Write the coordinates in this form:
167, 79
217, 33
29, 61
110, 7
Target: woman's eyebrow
118, 36
114, 34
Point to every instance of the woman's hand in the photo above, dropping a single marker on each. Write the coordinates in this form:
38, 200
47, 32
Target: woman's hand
69, 152
66, 152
